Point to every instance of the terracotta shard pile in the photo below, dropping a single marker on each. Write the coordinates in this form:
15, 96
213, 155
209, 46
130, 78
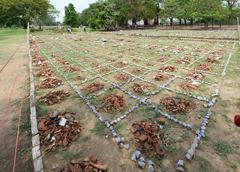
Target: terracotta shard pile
121, 64
62, 62
150, 64
196, 75
160, 77
188, 86
136, 71
51, 82
122, 77
178, 105
91, 164
148, 138
38, 60
54, 97
138, 88
168, 68
185, 60
162, 59
204, 67
136, 60
104, 70
113, 103
70, 69
80, 77
45, 72
93, 87
58, 129
213, 60
66, 65
95, 64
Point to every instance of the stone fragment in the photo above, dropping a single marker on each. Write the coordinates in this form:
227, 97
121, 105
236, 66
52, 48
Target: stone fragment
142, 159
141, 164
126, 146
118, 140
136, 155
180, 169
180, 163
150, 166
54, 115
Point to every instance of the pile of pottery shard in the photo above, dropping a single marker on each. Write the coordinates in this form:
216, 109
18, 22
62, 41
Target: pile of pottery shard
148, 138
204, 67
188, 86
51, 82
122, 77
178, 105
54, 97
168, 68
113, 102
140, 88
93, 87
58, 129
196, 75
91, 164
160, 77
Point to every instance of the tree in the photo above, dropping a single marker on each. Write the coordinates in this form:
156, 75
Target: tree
50, 18
102, 15
20, 12
232, 7
206, 13
71, 16
148, 10
172, 9
106, 13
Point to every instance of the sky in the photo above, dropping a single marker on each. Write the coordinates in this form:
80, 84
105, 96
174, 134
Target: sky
79, 5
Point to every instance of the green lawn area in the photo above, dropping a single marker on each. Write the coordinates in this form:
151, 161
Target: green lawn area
9, 41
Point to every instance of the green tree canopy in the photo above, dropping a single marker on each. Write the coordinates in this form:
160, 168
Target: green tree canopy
20, 12
207, 10
71, 16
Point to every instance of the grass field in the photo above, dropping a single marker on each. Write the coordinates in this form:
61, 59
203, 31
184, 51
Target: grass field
10, 39
157, 78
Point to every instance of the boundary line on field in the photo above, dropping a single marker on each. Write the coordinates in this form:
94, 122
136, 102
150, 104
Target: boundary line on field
36, 152
13, 54
228, 60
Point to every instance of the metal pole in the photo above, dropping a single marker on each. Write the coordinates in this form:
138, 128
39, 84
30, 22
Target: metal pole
28, 33
238, 29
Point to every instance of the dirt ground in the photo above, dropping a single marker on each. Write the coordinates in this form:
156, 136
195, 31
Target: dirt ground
13, 104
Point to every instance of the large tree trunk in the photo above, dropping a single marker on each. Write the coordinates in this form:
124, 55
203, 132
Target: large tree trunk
185, 22
145, 22
212, 23
191, 22
171, 21
206, 24
180, 22
157, 19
